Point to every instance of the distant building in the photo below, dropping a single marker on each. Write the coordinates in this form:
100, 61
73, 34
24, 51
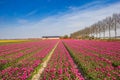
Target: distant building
50, 37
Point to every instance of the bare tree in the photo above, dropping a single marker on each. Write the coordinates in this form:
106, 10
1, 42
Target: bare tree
103, 27
96, 30
99, 28
108, 24
116, 19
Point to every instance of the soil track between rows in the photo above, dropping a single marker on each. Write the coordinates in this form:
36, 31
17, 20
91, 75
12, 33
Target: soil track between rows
44, 64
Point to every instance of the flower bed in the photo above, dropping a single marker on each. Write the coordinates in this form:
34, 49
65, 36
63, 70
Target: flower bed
61, 66
99, 60
23, 68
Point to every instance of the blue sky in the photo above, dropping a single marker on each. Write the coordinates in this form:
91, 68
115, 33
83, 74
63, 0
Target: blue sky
36, 18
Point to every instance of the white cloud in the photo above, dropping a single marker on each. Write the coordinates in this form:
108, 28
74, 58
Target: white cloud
60, 24
31, 12
22, 21
86, 5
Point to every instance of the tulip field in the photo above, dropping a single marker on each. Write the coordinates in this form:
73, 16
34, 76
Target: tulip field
61, 66
71, 60
98, 60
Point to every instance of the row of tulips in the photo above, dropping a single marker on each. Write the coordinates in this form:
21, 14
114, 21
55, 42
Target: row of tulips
61, 66
8, 60
13, 48
23, 68
98, 62
16, 56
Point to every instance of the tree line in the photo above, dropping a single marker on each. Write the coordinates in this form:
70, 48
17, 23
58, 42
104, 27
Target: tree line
109, 24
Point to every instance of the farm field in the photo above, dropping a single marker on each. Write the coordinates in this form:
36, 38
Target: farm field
67, 60
5, 42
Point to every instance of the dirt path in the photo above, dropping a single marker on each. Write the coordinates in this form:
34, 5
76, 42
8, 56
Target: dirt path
44, 64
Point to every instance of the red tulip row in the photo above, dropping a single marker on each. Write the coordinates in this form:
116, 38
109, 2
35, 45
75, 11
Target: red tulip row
7, 60
99, 60
9, 47
13, 48
25, 63
61, 66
